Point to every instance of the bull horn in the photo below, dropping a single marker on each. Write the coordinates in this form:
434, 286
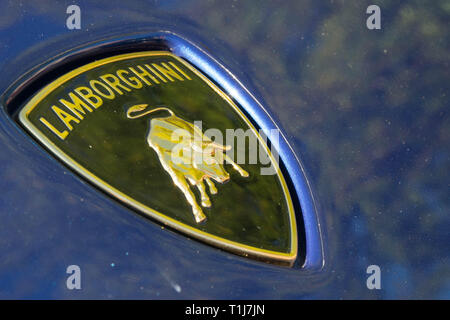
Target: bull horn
141, 107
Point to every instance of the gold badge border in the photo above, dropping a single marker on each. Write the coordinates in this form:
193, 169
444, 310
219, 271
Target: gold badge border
235, 247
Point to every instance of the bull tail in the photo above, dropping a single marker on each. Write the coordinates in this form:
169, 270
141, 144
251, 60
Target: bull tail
131, 112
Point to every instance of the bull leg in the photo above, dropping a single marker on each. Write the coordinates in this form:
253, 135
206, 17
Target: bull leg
212, 187
205, 199
236, 167
180, 182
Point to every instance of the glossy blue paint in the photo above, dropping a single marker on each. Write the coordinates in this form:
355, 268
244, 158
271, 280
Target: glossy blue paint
366, 112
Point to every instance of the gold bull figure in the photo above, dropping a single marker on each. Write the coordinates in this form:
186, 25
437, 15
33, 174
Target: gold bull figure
176, 157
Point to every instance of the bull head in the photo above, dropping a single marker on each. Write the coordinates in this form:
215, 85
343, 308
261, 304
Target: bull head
176, 156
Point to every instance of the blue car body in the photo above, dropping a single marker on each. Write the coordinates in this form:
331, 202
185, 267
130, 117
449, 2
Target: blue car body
365, 111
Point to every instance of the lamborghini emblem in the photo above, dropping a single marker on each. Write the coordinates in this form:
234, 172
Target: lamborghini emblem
152, 131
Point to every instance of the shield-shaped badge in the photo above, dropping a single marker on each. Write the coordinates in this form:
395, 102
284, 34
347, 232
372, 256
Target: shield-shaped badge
154, 132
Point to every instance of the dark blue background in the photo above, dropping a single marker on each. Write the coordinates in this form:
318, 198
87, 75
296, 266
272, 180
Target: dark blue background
366, 111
